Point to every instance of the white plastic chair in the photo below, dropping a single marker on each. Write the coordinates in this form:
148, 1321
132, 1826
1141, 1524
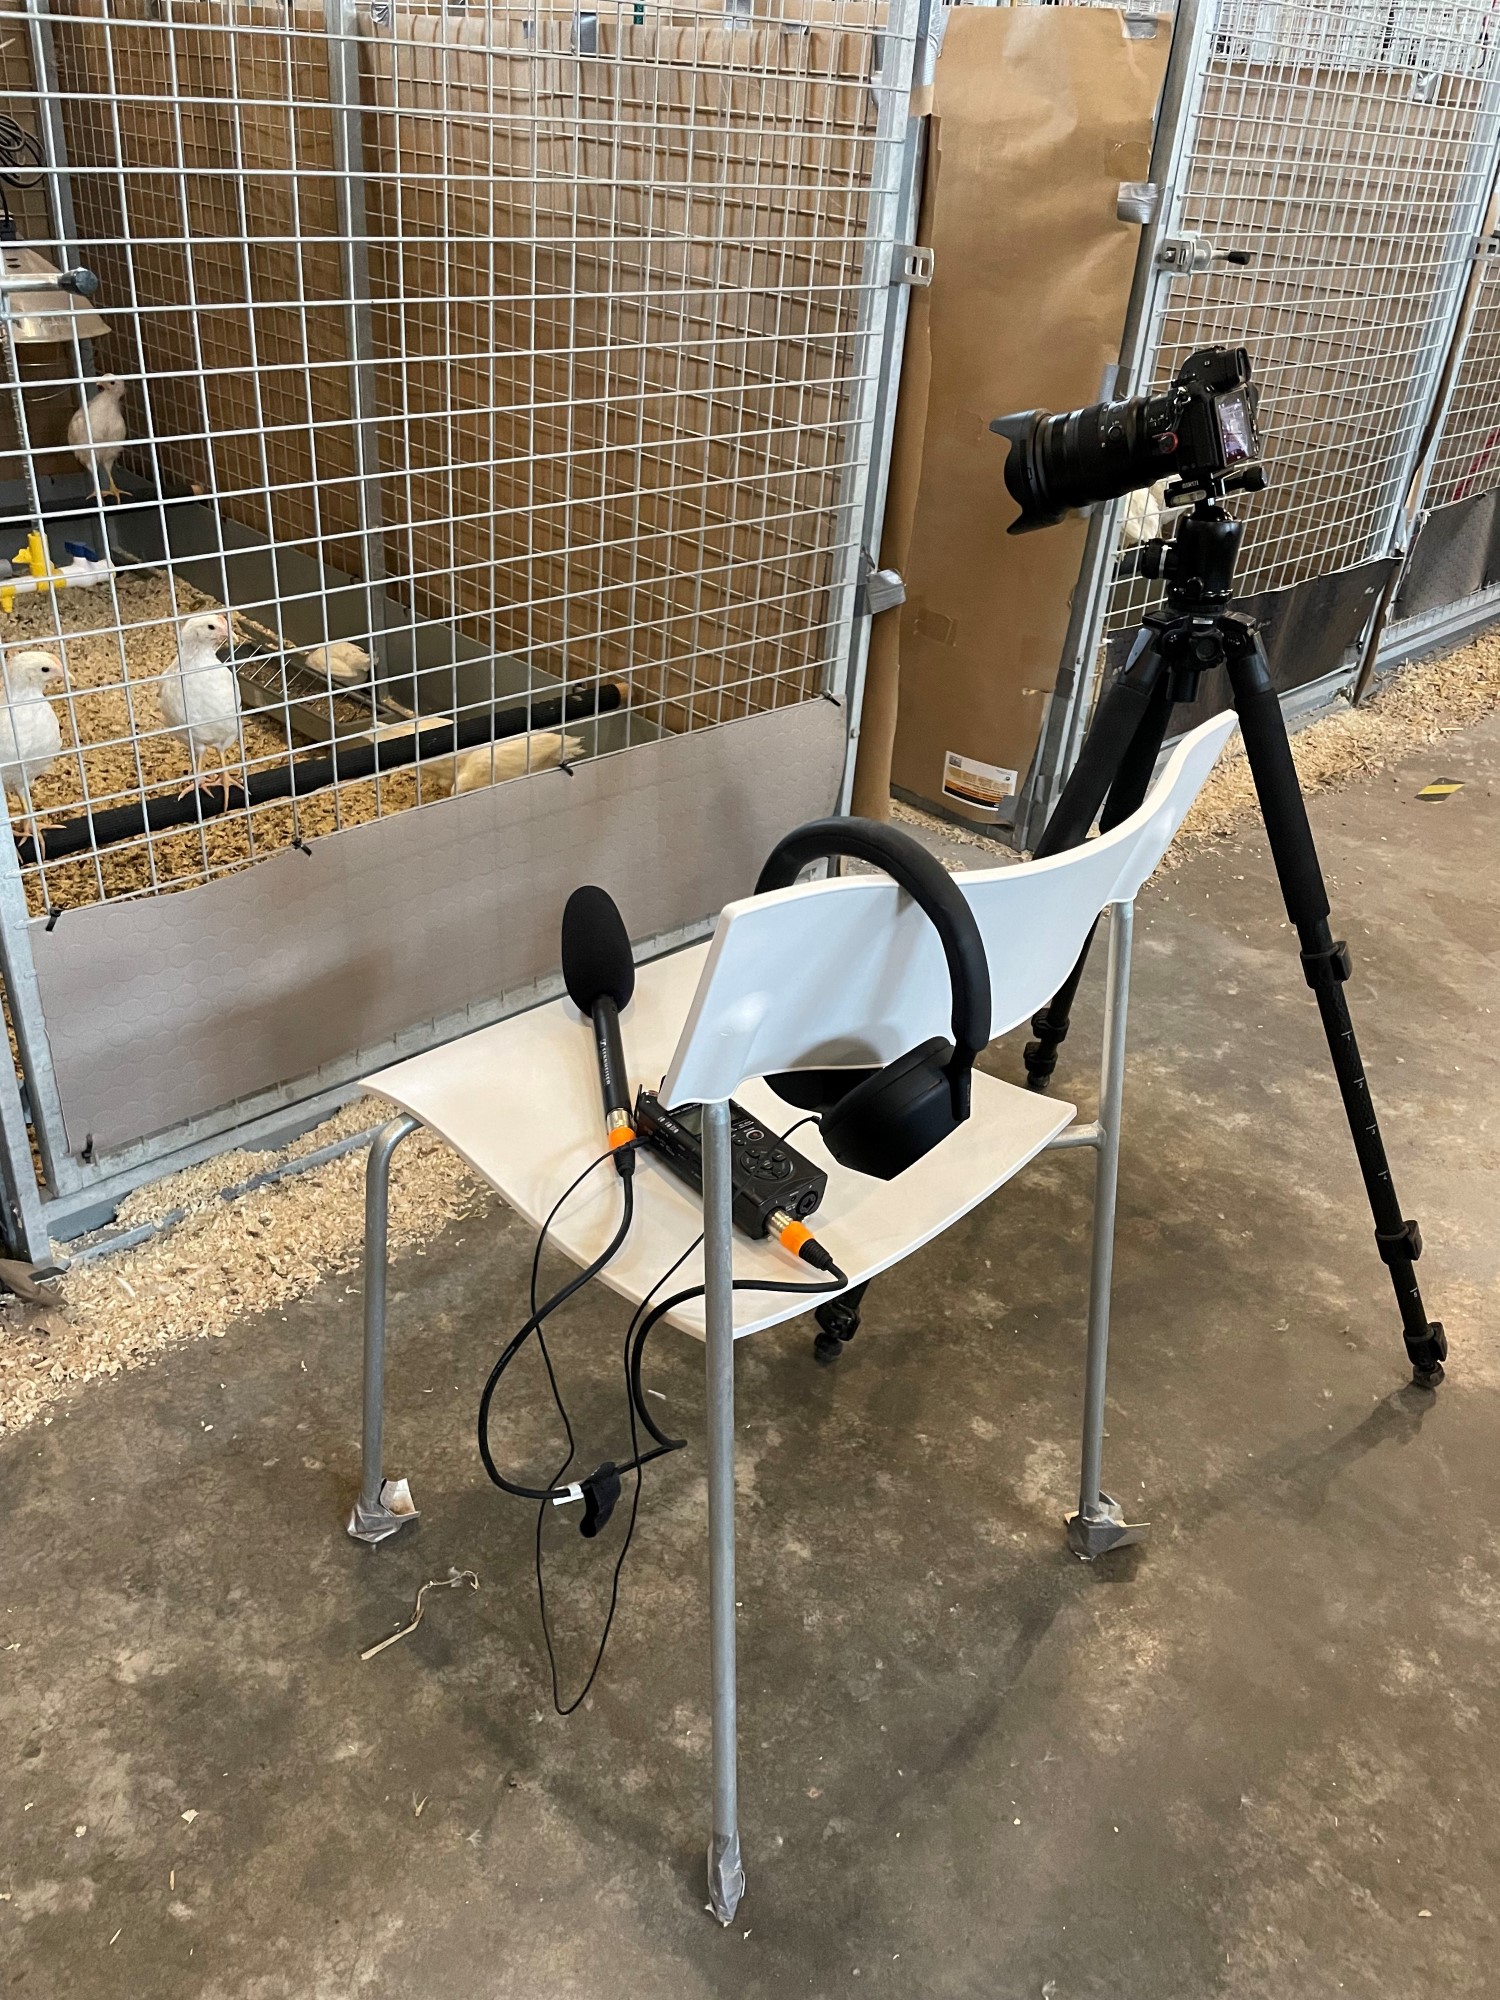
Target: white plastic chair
840, 973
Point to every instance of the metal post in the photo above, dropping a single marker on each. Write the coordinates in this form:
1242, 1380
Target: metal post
880, 329
49, 116
1099, 1525
726, 1873
58, 168
883, 312
25, 1223
1414, 498
384, 1505
342, 26
60, 1171
1071, 698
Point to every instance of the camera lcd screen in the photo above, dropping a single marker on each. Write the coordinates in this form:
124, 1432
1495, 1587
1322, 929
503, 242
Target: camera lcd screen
1236, 431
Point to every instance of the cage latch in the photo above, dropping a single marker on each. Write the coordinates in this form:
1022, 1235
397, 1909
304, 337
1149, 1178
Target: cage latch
1189, 254
911, 264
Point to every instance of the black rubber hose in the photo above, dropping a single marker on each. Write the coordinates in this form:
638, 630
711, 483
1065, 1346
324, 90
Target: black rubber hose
342, 764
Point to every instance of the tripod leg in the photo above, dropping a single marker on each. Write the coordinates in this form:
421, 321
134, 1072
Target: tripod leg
838, 1322
1144, 717
1326, 966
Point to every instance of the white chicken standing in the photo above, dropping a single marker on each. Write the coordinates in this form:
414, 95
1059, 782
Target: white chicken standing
30, 734
200, 697
97, 433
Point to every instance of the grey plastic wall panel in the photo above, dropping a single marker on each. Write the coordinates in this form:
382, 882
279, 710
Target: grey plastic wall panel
164, 1008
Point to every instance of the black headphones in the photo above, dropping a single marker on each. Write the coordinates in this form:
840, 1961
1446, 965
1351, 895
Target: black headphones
881, 1121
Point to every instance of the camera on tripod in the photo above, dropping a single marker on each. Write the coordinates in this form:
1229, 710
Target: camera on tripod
1200, 433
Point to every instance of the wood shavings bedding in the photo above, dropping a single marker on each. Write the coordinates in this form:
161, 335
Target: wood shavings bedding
116, 749
1415, 706
224, 1260
276, 1244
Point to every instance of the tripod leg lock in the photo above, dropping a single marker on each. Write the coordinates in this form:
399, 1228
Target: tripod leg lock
838, 1322
1040, 1056
1427, 1352
1400, 1246
1329, 967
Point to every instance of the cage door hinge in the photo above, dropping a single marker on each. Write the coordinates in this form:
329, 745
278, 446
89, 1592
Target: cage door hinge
911, 264
879, 589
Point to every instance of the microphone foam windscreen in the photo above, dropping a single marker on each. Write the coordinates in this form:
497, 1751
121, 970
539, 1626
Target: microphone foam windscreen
596, 961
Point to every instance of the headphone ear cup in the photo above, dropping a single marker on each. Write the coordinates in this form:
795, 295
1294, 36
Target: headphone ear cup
887, 1122
818, 1089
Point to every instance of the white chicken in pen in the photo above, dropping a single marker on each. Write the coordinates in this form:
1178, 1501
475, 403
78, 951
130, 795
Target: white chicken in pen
342, 662
494, 763
97, 434
30, 733
1143, 516
200, 698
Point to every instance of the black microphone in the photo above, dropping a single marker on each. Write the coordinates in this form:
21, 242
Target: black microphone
599, 974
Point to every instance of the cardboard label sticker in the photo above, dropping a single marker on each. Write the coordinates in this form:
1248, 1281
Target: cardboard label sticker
981, 786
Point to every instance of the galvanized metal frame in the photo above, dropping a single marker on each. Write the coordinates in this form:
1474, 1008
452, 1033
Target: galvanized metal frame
1071, 700
74, 1192
866, 513
1100, 605
1469, 404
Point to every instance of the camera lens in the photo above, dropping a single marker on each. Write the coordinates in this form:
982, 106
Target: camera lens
1059, 462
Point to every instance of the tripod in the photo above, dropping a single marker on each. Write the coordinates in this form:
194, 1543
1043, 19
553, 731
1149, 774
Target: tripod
1192, 633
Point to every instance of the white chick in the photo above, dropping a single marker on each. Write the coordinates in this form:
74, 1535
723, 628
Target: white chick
493, 763
343, 662
30, 734
200, 697
97, 433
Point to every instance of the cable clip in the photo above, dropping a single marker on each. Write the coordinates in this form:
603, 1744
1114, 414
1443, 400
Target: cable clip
600, 1492
568, 1495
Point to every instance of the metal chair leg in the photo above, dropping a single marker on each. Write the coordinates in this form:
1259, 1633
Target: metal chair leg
1100, 1525
726, 1874
384, 1505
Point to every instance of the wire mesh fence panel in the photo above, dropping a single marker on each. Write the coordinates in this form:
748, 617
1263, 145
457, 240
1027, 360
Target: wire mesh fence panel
1466, 454
465, 391
1347, 149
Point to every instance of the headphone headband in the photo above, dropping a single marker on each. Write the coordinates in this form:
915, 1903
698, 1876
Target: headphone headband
929, 885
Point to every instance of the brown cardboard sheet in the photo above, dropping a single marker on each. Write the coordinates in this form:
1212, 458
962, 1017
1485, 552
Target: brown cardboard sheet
1038, 115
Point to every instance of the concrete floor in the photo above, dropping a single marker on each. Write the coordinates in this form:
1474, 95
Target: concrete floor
1253, 1759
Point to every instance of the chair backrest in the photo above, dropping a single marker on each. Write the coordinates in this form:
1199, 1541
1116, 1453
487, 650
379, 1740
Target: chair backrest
849, 972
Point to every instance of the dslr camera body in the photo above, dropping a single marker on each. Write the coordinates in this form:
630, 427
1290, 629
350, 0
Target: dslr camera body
1200, 432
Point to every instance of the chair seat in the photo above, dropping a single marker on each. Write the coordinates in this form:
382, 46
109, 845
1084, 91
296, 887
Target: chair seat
520, 1102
